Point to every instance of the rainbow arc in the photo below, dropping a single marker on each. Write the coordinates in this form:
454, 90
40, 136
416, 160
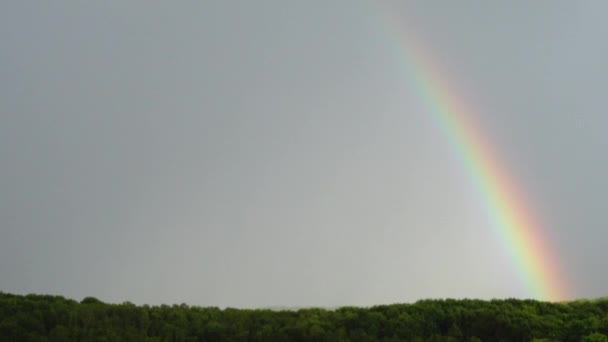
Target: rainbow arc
521, 232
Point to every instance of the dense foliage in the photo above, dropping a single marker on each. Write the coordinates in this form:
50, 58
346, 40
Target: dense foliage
52, 318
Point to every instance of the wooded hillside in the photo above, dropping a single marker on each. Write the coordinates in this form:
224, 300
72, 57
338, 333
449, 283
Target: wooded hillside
53, 318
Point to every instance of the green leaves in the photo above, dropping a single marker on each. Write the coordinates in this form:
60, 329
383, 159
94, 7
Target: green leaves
35, 317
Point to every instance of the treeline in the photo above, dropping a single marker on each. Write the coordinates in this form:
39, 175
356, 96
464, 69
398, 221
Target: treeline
53, 318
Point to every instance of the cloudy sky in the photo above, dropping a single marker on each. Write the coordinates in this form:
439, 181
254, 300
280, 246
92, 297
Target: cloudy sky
278, 153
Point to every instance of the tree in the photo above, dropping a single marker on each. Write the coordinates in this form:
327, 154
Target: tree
595, 337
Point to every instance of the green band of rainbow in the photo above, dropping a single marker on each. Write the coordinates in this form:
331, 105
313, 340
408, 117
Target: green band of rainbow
508, 211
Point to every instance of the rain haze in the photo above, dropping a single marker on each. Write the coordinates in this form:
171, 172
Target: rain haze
279, 153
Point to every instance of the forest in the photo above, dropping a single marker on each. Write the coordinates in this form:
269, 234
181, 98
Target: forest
54, 318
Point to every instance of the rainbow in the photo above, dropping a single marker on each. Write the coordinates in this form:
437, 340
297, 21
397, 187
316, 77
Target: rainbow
511, 216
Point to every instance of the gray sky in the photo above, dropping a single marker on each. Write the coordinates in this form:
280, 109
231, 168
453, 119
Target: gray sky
270, 153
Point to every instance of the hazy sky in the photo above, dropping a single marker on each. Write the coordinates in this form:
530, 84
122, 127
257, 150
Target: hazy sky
270, 153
